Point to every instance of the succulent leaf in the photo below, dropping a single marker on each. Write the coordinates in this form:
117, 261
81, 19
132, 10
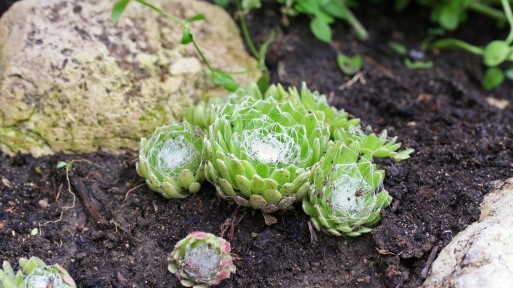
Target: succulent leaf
201, 260
171, 160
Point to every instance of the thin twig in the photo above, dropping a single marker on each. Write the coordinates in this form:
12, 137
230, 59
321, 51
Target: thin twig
431, 258
58, 193
70, 164
357, 77
128, 192
69, 190
55, 221
313, 235
378, 66
87, 199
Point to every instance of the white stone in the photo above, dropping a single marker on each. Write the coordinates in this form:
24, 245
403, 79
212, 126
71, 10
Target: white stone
481, 256
71, 81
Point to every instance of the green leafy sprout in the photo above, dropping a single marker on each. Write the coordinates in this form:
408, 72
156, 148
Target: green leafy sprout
494, 53
34, 273
322, 14
349, 65
201, 260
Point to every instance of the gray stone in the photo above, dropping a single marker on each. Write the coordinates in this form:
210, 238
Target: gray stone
481, 256
71, 81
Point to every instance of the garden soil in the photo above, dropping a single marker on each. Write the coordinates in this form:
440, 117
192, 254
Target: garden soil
109, 230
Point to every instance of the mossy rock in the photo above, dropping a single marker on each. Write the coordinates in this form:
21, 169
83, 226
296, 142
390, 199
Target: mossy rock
71, 81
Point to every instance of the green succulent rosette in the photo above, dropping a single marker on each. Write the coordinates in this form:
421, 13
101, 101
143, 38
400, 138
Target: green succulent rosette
261, 153
376, 146
201, 260
38, 274
346, 197
341, 127
171, 160
204, 113
9, 279
315, 103
34, 273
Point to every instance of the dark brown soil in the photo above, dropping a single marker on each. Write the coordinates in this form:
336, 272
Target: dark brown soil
461, 145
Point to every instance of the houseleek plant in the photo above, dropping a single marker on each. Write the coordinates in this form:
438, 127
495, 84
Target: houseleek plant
346, 196
201, 260
171, 160
261, 153
34, 273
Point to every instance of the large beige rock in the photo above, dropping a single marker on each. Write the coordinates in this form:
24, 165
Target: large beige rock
481, 256
71, 81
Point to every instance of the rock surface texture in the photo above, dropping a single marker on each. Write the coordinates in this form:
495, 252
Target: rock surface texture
71, 81
481, 255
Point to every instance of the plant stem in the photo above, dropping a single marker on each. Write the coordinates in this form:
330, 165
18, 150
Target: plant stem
451, 43
202, 56
161, 12
509, 16
244, 72
184, 25
245, 31
353, 21
486, 10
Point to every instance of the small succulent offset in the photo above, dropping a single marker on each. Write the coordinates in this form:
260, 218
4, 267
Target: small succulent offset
34, 273
262, 152
201, 260
171, 160
346, 198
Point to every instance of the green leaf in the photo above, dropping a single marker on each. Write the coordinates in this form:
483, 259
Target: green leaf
335, 9
264, 82
250, 4
418, 65
493, 77
400, 5
195, 18
222, 3
226, 81
449, 17
186, 36
263, 50
325, 17
495, 53
61, 164
509, 73
397, 48
117, 10
307, 7
321, 29
349, 65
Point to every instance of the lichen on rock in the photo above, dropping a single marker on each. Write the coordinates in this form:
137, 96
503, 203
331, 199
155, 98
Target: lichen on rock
71, 81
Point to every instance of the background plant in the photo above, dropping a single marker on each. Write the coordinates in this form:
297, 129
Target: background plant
450, 14
322, 14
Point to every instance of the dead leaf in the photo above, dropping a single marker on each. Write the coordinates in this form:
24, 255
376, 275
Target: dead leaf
6, 182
